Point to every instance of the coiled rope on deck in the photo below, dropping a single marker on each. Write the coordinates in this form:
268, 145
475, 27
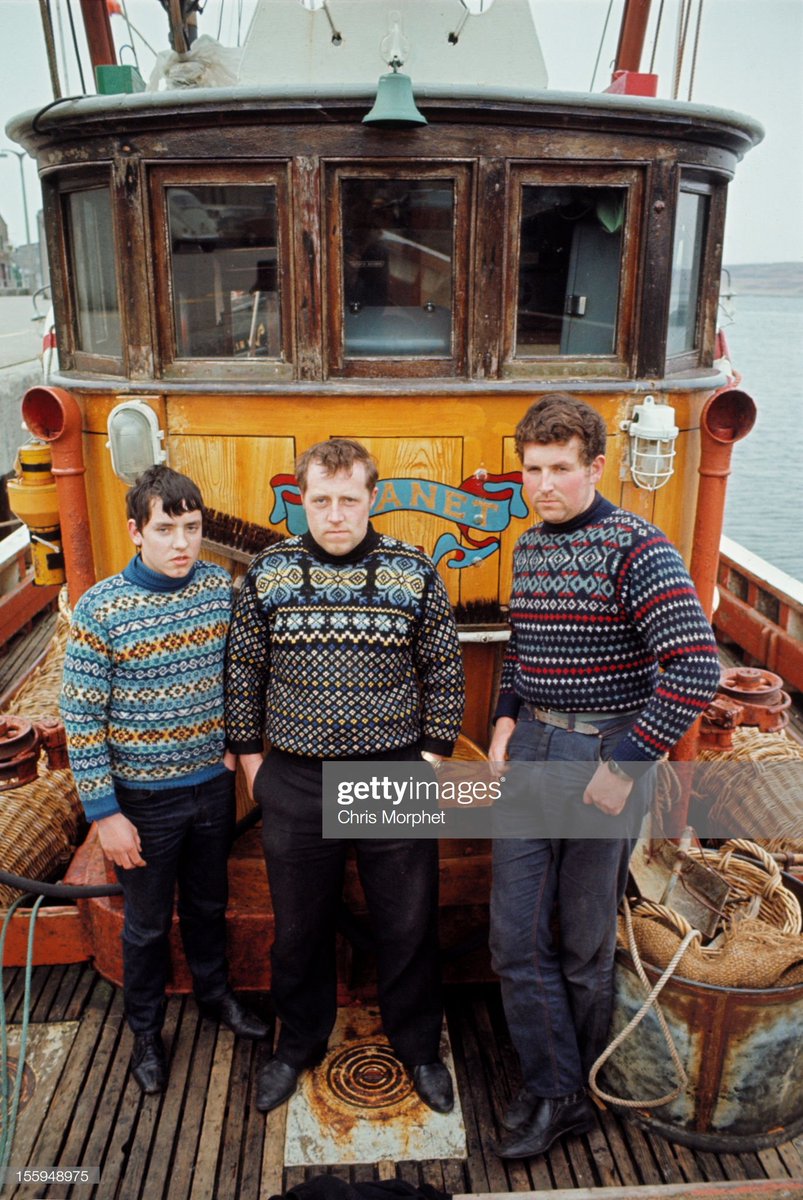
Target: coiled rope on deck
650, 1002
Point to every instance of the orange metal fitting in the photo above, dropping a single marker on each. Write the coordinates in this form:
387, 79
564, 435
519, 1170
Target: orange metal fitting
52, 414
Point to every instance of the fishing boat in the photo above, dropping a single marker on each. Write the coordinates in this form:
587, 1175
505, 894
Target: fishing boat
242, 269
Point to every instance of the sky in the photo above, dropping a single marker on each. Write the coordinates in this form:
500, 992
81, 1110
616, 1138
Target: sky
750, 58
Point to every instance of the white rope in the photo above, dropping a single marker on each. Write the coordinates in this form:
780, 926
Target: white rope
650, 1002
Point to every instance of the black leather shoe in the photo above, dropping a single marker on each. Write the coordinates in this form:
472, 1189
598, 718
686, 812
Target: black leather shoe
433, 1083
149, 1063
521, 1108
230, 1012
553, 1118
276, 1083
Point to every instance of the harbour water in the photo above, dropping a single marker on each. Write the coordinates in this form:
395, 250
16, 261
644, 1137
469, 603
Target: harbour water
765, 491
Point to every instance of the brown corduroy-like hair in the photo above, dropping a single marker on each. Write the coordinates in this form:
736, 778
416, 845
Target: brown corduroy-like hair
336, 454
558, 417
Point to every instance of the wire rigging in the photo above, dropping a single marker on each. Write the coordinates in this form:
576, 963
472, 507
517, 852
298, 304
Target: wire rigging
75, 46
655, 37
696, 46
601, 41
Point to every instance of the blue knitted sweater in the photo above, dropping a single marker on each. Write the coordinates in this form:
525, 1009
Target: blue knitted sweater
142, 698
605, 618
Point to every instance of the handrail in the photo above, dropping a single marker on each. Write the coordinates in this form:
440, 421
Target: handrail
761, 610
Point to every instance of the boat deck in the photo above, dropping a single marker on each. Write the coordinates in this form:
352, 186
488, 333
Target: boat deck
204, 1139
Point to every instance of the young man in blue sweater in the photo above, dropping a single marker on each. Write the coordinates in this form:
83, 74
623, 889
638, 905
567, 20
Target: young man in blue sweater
610, 660
142, 702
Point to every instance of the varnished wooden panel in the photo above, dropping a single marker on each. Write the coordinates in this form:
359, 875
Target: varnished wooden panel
111, 545
234, 473
428, 459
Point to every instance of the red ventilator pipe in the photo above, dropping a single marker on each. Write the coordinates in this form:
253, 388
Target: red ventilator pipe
727, 417
53, 415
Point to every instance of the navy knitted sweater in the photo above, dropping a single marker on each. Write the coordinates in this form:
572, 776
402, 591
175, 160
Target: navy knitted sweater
335, 656
605, 618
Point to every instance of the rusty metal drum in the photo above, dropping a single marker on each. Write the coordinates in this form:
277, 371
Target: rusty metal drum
742, 1050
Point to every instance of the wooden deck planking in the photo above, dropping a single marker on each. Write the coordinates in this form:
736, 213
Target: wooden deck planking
17, 655
203, 1138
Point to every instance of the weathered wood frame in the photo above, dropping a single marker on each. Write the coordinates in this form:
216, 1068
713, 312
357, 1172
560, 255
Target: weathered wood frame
621, 362
256, 174
459, 175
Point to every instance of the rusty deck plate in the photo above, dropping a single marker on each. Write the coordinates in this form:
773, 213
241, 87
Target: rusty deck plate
359, 1105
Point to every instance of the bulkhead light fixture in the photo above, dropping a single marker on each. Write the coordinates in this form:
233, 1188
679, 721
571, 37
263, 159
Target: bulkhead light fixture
653, 433
135, 439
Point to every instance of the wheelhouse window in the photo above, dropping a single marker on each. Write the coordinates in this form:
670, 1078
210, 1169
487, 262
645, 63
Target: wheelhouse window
398, 255
397, 249
570, 264
683, 329
93, 271
224, 266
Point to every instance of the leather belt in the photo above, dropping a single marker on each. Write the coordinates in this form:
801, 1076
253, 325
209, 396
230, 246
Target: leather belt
571, 721
560, 720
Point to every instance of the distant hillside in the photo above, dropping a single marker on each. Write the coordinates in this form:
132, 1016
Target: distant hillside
768, 279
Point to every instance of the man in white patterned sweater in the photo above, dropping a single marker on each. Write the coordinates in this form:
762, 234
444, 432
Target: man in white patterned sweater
610, 660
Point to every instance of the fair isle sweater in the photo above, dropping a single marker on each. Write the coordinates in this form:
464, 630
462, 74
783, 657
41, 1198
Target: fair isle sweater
335, 656
605, 619
142, 696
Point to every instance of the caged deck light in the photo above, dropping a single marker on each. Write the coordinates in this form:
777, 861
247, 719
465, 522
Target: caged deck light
135, 439
394, 106
653, 432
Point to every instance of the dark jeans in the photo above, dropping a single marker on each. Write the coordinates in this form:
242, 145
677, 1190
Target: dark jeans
558, 992
186, 835
305, 872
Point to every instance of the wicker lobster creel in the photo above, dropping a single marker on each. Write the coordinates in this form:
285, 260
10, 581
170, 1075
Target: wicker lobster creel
42, 822
762, 952
779, 907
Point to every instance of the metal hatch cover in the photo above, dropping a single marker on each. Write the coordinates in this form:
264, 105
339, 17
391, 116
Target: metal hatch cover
359, 1105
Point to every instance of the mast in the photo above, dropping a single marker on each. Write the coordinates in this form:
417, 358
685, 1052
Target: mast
632, 33
98, 33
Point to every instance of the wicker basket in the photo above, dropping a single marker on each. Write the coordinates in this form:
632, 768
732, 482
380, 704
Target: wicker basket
779, 907
41, 823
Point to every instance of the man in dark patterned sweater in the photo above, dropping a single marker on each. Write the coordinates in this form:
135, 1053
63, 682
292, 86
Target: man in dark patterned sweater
343, 646
610, 660
142, 702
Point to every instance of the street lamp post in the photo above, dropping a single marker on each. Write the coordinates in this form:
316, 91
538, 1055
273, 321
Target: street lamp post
21, 154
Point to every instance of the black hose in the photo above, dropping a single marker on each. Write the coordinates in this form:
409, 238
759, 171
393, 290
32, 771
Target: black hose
60, 891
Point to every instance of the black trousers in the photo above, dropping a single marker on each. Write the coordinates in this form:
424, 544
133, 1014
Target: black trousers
305, 873
186, 835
